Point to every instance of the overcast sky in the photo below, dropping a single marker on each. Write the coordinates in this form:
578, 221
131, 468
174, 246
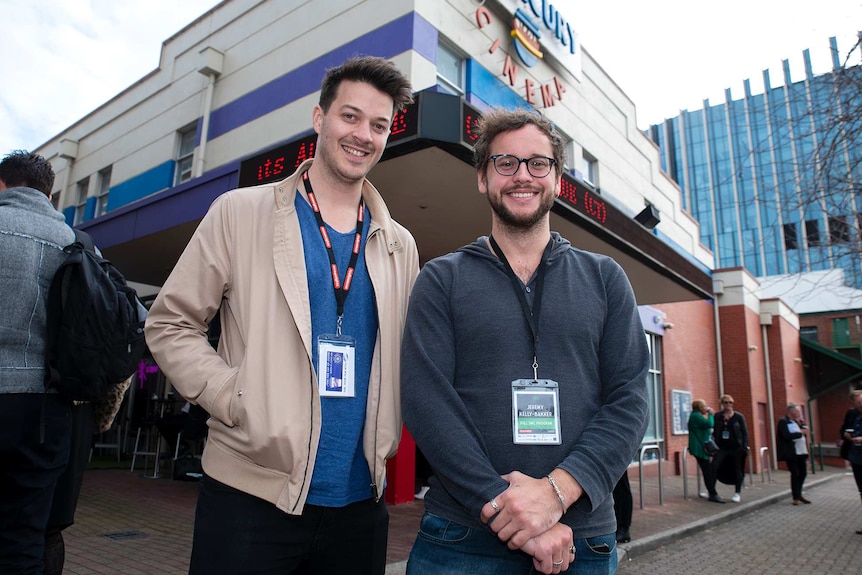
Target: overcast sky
64, 58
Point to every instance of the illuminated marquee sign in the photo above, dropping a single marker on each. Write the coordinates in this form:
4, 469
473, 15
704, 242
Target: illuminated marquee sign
277, 163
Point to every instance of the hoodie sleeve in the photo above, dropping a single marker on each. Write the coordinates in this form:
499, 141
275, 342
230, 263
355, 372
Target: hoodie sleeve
610, 441
427, 376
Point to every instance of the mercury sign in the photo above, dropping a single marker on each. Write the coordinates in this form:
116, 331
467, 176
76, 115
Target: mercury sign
555, 35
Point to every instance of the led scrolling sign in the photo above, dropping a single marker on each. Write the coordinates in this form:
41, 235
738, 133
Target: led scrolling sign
279, 162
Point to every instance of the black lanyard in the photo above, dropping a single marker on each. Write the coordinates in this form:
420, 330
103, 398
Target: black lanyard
531, 315
341, 290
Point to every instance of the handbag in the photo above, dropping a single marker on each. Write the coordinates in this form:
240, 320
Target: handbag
710, 446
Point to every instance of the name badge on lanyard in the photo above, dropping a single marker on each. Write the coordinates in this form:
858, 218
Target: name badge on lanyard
535, 412
335, 366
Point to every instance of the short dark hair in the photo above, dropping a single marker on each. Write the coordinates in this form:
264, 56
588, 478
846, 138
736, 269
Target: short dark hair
499, 120
379, 72
22, 168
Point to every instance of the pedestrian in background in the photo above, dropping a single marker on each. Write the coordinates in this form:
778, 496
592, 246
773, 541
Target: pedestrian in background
700, 424
35, 424
731, 436
792, 449
312, 277
623, 508
851, 432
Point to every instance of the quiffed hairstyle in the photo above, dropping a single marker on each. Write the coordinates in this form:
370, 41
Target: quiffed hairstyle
379, 72
497, 121
21, 168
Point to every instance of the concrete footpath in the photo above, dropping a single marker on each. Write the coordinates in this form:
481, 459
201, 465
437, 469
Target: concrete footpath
128, 523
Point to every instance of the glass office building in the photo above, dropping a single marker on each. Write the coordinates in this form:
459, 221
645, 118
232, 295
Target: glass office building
774, 179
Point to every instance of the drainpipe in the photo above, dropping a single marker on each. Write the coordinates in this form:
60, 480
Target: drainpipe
717, 290
68, 151
765, 320
213, 61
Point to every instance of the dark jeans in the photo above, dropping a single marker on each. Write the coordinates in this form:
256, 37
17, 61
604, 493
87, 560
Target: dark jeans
708, 471
623, 502
239, 534
798, 468
857, 475
444, 547
29, 468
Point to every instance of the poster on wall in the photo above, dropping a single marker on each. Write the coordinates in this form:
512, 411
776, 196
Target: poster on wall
680, 407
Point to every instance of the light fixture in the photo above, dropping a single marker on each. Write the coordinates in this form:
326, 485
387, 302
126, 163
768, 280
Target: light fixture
649, 217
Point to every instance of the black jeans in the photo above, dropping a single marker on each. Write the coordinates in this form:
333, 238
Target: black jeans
29, 467
797, 465
239, 534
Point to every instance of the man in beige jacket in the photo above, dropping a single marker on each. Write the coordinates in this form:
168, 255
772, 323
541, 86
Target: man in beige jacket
311, 278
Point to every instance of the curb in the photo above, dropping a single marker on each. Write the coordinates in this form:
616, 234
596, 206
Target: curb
628, 551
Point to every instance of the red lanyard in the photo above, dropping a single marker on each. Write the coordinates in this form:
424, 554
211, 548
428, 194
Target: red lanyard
341, 289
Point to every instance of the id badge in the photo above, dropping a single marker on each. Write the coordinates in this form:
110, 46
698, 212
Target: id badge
535, 412
335, 361
725, 434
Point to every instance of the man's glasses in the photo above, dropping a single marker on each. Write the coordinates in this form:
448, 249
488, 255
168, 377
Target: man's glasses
508, 165
728, 402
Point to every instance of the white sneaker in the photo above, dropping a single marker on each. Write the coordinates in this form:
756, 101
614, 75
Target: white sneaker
735, 498
704, 494
421, 493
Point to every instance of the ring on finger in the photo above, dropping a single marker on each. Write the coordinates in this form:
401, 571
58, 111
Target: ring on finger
494, 505
572, 549
558, 563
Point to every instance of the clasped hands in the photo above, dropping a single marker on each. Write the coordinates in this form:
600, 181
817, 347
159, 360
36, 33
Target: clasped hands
527, 517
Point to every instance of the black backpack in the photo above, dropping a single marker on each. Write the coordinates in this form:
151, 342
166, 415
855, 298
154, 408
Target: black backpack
95, 325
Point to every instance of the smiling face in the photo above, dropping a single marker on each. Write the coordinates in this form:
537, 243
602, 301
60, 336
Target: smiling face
352, 134
520, 201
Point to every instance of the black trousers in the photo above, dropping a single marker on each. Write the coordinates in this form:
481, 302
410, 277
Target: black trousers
623, 502
32, 457
797, 465
239, 534
708, 471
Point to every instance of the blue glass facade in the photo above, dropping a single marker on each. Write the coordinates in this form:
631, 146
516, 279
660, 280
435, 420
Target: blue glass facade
775, 179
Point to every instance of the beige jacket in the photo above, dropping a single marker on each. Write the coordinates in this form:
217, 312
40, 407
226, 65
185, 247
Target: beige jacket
260, 387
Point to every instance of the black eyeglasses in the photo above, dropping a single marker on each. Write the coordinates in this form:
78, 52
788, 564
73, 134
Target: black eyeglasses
508, 165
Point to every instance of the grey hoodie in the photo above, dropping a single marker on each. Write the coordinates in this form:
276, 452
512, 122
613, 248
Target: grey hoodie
467, 339
32, 237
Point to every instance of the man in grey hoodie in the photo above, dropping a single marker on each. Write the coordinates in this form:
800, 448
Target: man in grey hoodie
524, 368
35, 429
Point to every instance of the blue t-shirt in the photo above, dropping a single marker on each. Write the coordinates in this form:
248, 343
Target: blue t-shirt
341, 475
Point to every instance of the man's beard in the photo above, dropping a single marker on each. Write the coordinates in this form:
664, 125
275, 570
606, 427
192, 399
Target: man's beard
521, 222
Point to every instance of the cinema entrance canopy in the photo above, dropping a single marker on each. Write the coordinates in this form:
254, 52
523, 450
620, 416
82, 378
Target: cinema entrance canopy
429, 183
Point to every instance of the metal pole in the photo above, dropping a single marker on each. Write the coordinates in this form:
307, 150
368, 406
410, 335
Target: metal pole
643, 451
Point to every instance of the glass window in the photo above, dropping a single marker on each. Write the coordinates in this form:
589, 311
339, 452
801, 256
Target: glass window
450, 70
654, 432
791, 242
102, 191
185, 154
839, 229
81, 196
808, 332
812, 232
589, 169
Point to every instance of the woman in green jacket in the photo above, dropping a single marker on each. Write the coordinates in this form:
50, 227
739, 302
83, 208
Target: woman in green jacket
700, 424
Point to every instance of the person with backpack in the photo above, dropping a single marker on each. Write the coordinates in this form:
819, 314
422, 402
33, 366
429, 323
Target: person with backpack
36, 422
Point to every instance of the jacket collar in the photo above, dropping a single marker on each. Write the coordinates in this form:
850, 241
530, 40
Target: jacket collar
285, 195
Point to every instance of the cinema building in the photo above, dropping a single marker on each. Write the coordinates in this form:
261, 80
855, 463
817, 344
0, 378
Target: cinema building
230, 106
